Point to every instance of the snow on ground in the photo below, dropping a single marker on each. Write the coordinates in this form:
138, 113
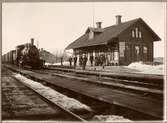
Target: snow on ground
56, 97
147, 69
136, 67
47, 64
65, 63
64, 101
110, 118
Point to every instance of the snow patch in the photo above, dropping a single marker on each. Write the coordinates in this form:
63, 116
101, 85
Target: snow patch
65, 63
47, 64
54, 96
147, 69
110, 118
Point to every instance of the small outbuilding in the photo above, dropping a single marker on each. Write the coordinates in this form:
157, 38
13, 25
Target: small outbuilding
119, 44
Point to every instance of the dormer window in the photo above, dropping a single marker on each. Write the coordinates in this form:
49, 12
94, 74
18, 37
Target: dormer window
91, 35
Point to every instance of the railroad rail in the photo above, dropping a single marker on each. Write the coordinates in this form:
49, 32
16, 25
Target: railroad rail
126, 76
153, 89
140, 103
67, 114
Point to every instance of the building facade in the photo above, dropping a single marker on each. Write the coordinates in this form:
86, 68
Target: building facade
120, 44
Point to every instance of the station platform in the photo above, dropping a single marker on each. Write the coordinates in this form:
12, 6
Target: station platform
120, 72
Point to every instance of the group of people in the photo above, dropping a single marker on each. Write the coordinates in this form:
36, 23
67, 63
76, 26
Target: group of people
98, 60
82, 61
73, 59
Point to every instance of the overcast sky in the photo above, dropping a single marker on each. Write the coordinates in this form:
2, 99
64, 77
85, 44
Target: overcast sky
55, 25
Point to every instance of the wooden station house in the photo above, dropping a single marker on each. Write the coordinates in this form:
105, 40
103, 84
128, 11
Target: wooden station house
122, 43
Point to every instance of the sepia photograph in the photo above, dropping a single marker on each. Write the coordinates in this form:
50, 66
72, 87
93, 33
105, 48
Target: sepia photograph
83, 61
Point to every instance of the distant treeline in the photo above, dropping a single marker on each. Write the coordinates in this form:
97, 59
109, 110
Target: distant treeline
53, 58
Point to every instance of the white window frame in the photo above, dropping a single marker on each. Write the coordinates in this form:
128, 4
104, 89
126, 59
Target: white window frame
137, 48
133, 33
145, 49
136, 29
140, 35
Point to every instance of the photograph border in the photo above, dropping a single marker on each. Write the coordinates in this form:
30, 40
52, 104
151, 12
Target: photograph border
165, 43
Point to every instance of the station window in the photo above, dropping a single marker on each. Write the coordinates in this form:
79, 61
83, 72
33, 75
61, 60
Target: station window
136, 32
145, 49
137, 50
133, 33
140, 34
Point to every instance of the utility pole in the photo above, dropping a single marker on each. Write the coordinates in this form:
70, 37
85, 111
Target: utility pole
93, 13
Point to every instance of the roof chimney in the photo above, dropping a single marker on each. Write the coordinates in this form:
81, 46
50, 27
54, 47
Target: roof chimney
32, 41
118, 19
98, 24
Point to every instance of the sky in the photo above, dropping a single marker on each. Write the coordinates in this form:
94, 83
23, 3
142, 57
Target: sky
55, 25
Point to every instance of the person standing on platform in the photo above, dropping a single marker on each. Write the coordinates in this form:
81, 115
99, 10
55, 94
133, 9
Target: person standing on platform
70, 60
96, 60
61, 61
80, 60
84, 62
75, 61
91, 60
103, 60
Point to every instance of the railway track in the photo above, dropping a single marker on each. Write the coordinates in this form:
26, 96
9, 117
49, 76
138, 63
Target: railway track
63, 113
63, 77
66, 113
123, 75
138, 87
141, 81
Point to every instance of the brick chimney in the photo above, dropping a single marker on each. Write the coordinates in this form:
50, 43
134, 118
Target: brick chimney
32, 41
118, 19
98, 24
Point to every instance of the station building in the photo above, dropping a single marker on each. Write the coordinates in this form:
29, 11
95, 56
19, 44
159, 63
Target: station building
121, 43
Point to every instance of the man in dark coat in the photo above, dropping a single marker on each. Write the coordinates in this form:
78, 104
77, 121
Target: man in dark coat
91, 60
61, 61
80, 60
75, 61
84, 62
70, 60
103, 60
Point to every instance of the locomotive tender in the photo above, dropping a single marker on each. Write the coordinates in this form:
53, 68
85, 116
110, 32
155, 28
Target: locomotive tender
25, 55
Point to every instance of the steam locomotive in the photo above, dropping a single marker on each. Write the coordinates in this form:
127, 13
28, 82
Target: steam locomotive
25, 55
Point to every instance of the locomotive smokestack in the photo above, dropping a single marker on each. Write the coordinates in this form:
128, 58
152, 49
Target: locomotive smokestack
32, 41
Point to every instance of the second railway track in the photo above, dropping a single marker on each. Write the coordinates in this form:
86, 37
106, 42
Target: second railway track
145, 88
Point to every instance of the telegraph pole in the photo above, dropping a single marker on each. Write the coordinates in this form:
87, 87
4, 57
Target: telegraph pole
93, 13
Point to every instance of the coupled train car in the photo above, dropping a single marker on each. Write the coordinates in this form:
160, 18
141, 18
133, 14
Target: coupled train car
25, 55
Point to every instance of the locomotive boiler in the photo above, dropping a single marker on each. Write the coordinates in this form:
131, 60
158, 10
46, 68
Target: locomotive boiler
25, 55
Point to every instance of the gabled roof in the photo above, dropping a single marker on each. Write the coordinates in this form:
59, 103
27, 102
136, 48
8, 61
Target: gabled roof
107, 34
